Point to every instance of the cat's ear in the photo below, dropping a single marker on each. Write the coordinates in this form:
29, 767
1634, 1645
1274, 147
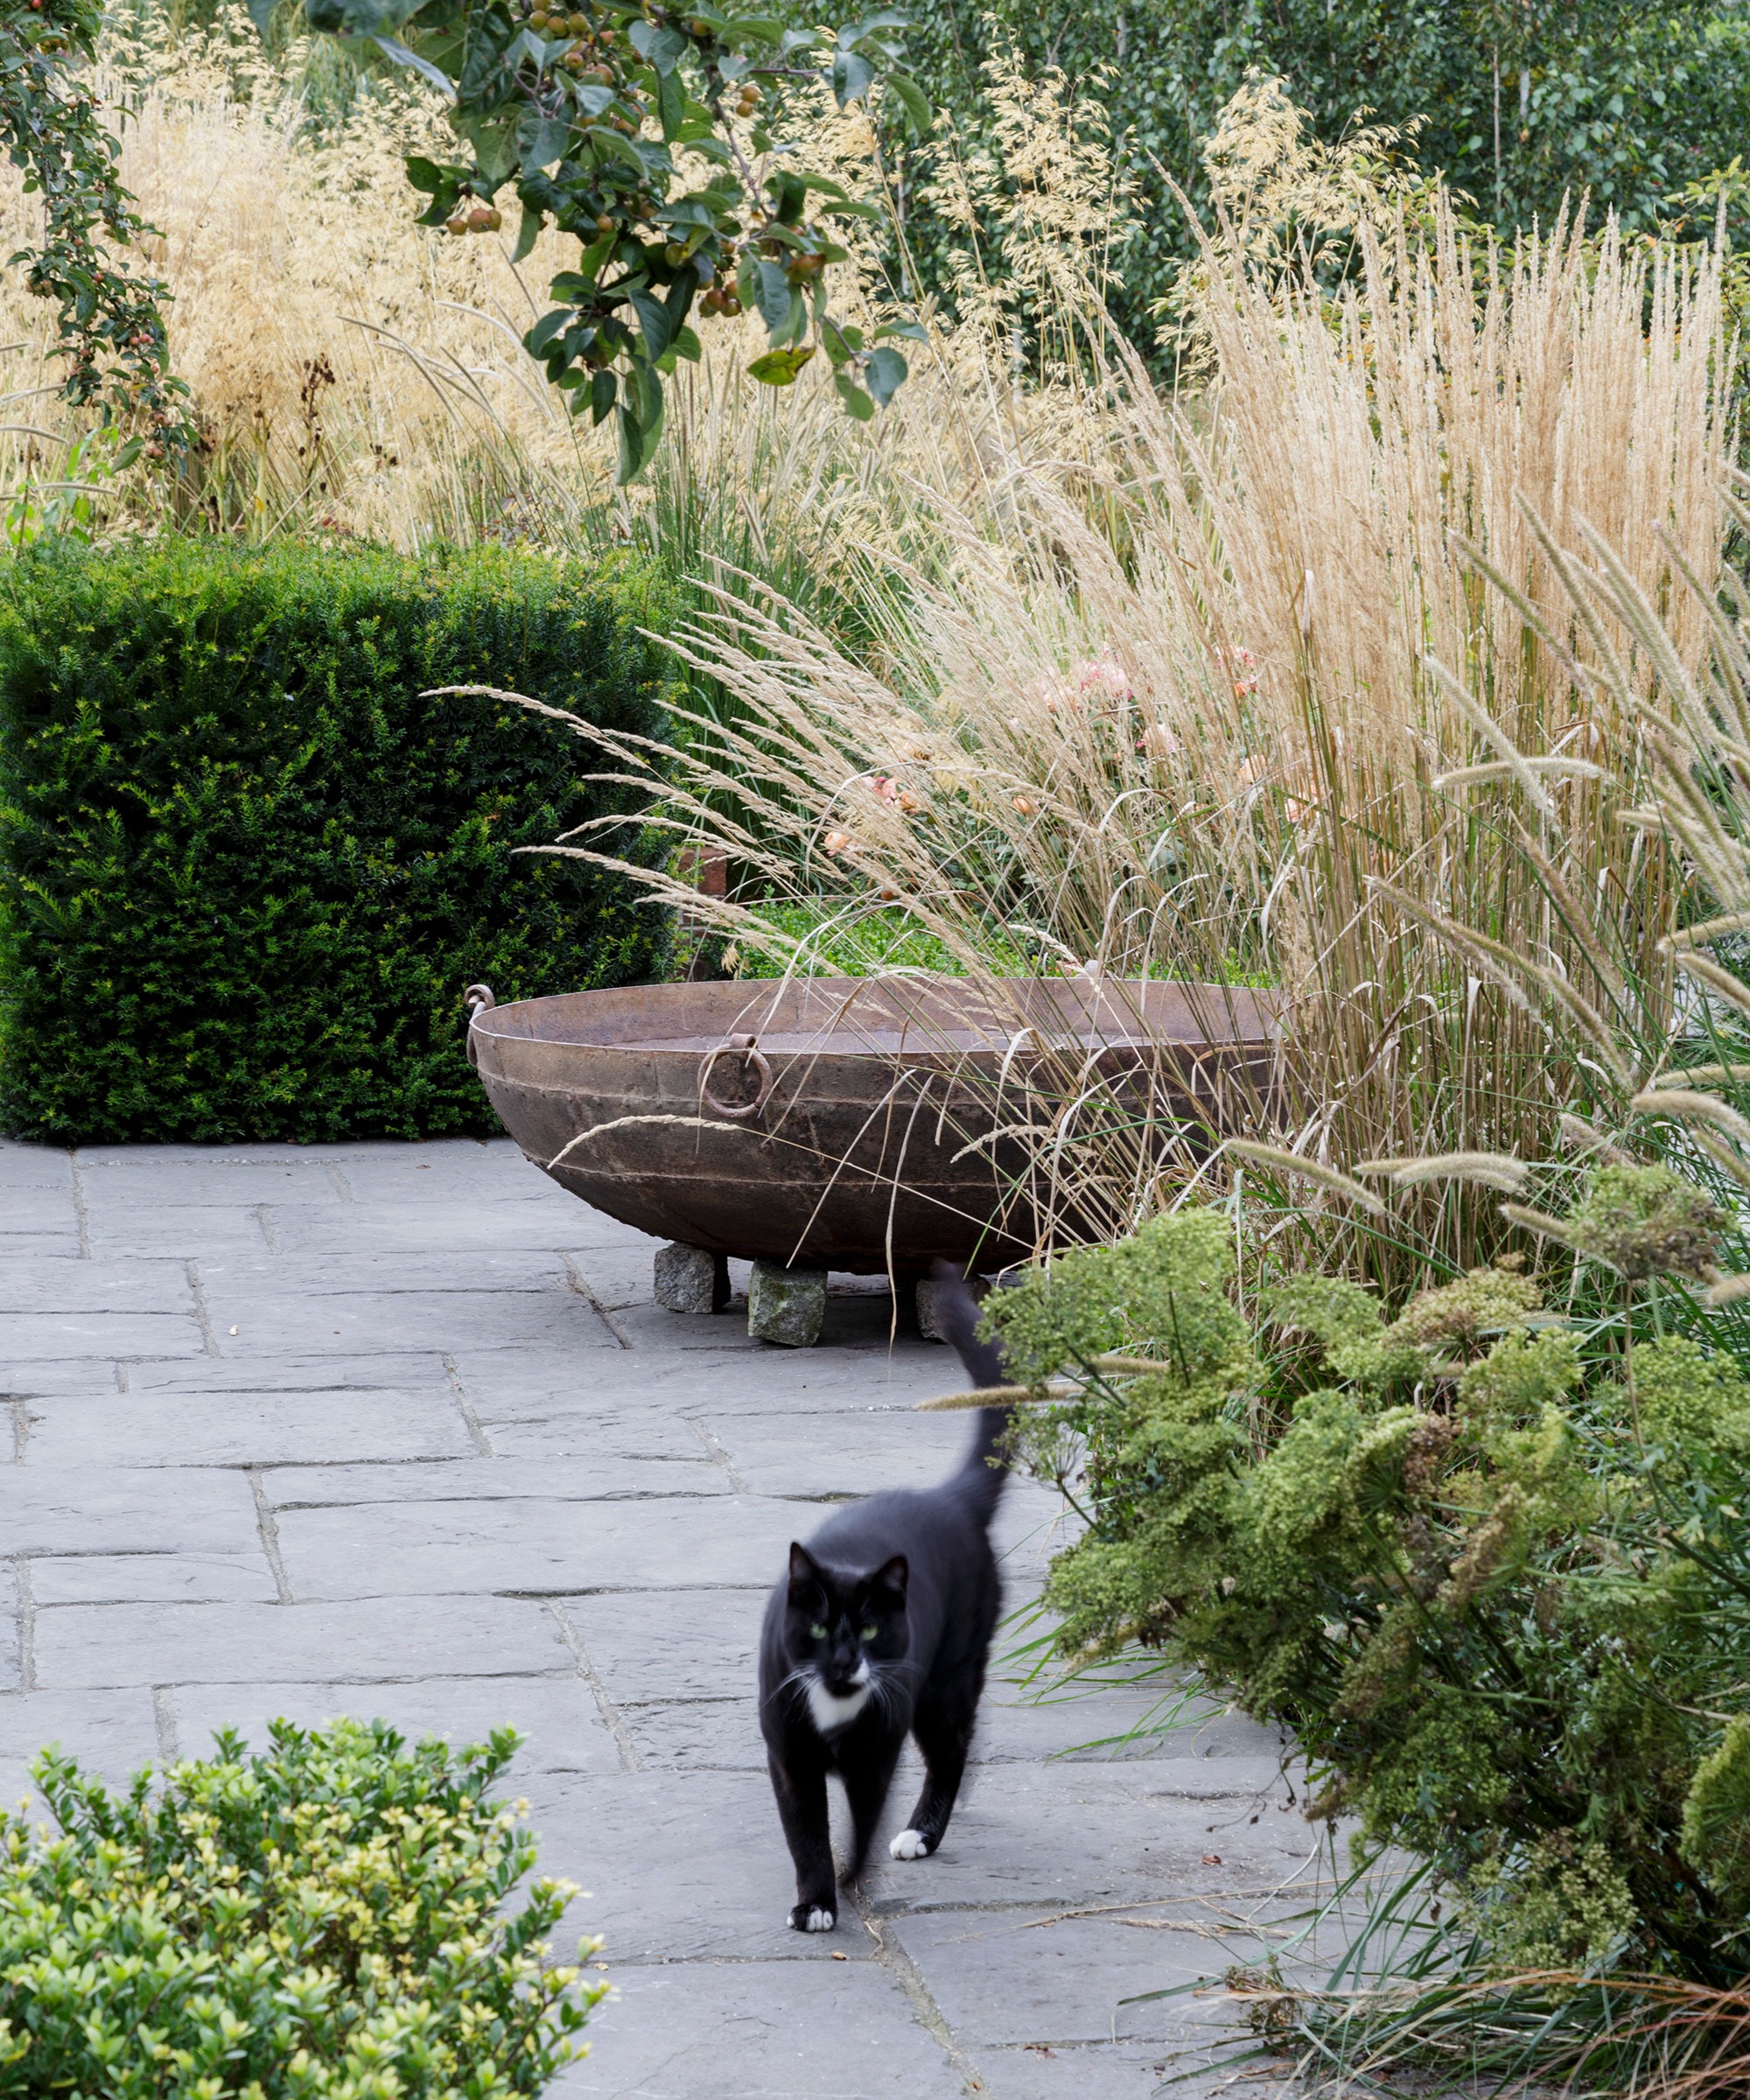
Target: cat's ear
893, 1577
805, 1572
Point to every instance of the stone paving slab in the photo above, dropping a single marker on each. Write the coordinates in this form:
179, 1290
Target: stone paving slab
130, 1231
373, 1639
454, 1468
109, 1335
536, 1546
98, 1507
112, 1733
13, 1619
247, 1426
152, 1578
52, 1289
1075, 1975
566, 1731
761, 2031
160, 1176
582, 1477
29, 1378
440, 1224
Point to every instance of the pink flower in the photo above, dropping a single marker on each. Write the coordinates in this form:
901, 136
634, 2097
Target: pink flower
1160, 739
885, 789
1242, 671
1103, 674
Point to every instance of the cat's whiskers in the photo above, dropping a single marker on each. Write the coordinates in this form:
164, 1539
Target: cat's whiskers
885, 1694
804, 1674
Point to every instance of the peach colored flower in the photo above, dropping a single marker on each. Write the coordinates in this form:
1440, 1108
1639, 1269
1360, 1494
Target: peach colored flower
1025, 805
884, 789
1158, 738
1102, 674
838, 842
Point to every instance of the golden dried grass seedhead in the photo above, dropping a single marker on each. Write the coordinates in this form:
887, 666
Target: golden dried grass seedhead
1285, 681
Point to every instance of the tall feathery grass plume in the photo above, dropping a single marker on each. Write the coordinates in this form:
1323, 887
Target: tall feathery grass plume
1286, 671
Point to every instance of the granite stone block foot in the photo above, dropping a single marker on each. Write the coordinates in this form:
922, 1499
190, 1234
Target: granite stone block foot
930, 1301
691, 1279
786, 1306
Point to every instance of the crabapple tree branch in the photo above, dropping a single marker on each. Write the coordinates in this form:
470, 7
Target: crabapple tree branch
110, 330
580, 109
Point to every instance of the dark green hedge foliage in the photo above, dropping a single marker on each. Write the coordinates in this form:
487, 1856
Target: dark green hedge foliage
246, 871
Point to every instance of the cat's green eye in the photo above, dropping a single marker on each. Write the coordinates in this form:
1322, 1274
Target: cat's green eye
816, 1633
867, 1633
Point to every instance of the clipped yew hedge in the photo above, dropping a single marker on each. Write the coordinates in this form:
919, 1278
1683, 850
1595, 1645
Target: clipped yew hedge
246, 869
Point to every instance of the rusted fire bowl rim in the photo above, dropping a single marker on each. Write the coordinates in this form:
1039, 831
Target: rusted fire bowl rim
761, 1119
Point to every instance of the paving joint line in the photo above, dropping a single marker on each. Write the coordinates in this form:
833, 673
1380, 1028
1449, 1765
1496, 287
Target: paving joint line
267, 1530
475, 1427
27, 1624
21, 1425
338, 1181
266, 1224
892, 1957
717, 1454
581, 1286
79, 1211
209, 1340
647, 1589
164, 1720
629, 1759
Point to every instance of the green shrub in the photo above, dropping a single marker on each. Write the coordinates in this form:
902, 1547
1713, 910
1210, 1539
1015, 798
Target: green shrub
320, 1922
246, 869
1489, 1567
860, 945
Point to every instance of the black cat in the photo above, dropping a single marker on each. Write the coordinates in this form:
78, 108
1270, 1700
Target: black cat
883, 1625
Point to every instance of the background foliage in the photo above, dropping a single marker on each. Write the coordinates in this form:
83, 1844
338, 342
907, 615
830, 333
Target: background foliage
1627, 103
245, 870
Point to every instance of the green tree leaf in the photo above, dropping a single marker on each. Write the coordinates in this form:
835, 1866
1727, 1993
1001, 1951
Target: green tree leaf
911, 99
885, 374
779, 367
853, 397
851, 76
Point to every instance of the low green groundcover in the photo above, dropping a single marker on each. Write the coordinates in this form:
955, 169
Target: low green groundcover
320, 1922
864, 944
246, 869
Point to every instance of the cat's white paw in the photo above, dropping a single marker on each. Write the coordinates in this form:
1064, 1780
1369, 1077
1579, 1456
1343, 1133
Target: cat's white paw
910, 1845
822, 1921
812, 1920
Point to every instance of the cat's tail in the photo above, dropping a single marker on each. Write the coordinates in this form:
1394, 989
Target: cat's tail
956, 1320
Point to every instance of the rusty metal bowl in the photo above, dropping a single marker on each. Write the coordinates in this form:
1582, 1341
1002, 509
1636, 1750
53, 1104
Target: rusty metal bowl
824, 1122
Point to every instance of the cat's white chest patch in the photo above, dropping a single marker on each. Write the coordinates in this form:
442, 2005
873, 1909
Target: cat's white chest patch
831, 1709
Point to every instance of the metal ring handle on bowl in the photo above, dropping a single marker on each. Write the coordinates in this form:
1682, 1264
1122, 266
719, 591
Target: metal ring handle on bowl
479, 999
742, 1046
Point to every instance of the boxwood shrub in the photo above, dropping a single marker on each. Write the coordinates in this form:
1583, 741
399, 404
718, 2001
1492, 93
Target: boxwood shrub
246, 869
322, 1920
